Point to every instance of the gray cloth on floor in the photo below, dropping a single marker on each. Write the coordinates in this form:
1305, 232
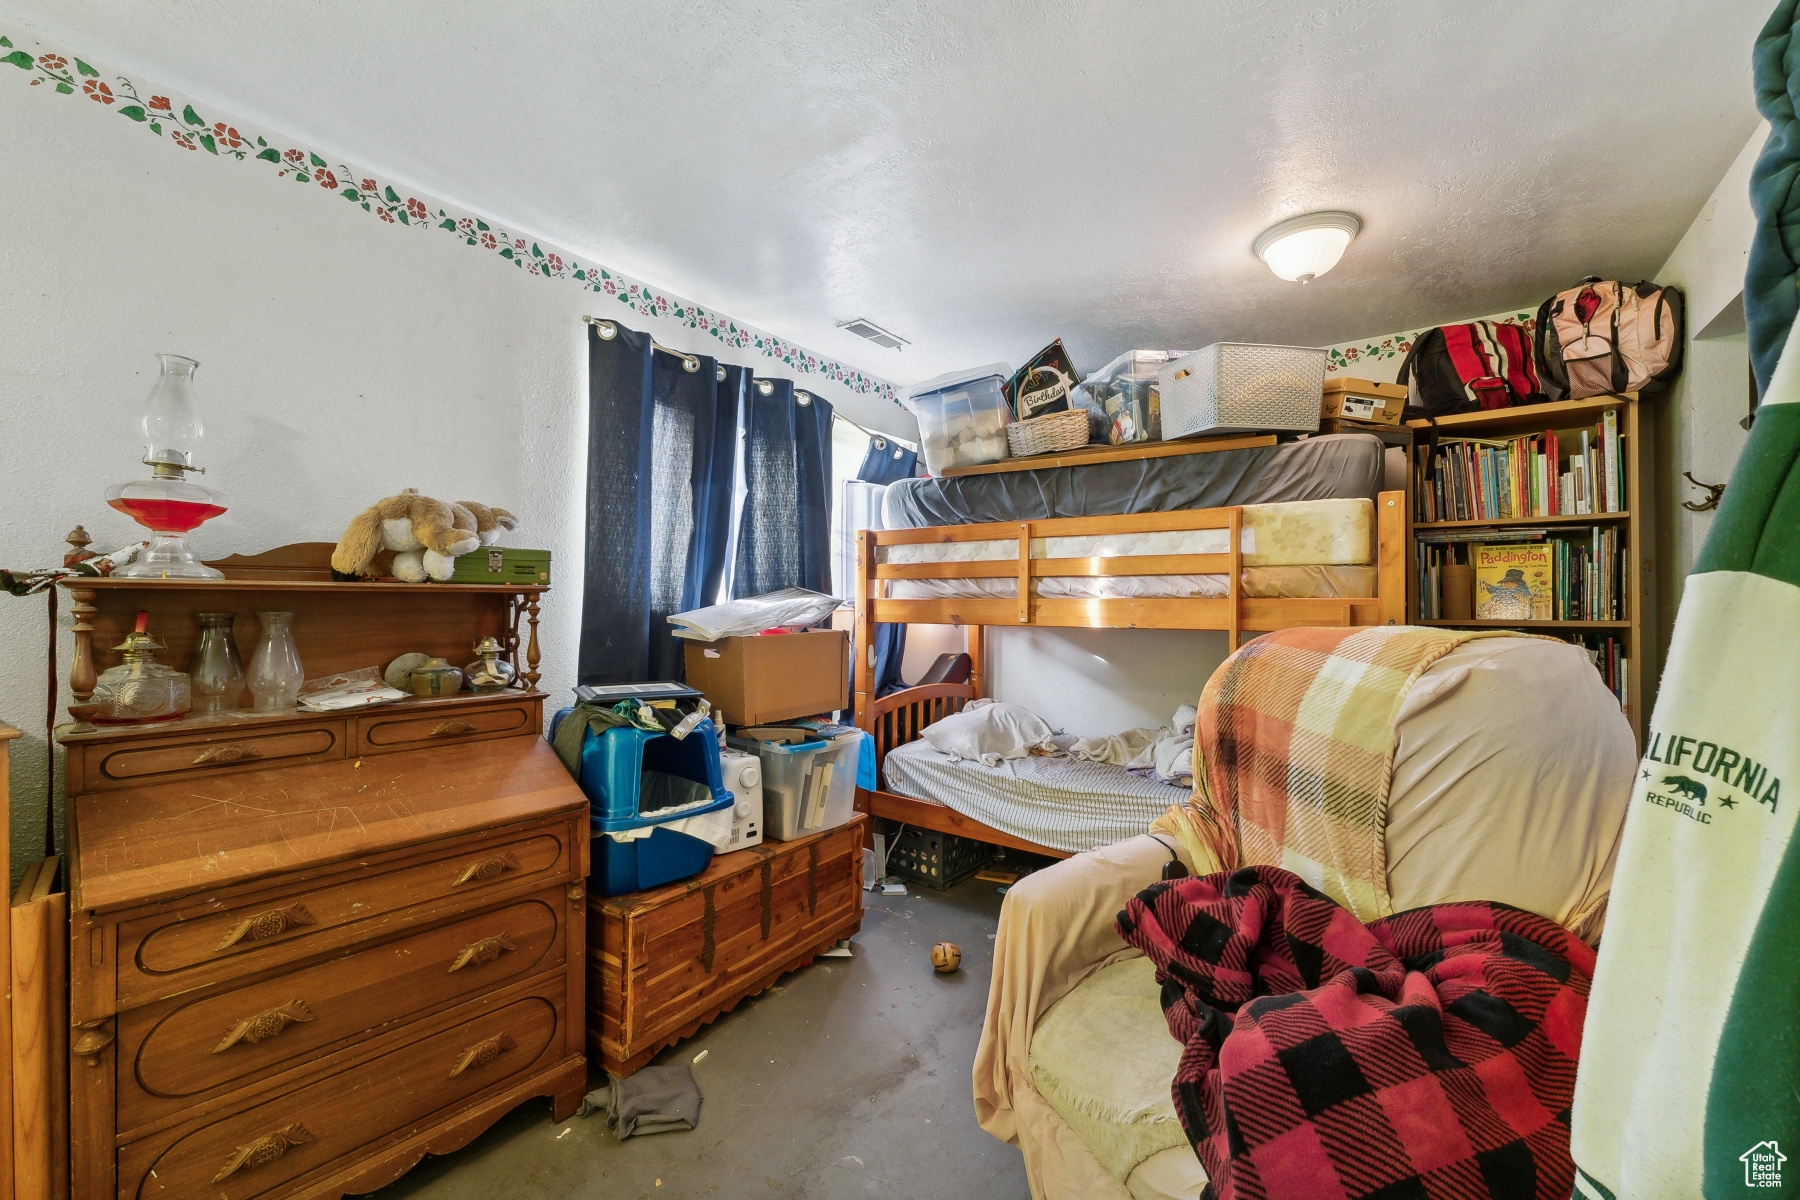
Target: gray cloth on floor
654, 1100
1333, 466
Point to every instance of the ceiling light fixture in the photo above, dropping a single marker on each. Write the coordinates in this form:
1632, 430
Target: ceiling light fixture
862, 327
1303, 248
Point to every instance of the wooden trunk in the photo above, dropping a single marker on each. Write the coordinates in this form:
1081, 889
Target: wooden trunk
663, 963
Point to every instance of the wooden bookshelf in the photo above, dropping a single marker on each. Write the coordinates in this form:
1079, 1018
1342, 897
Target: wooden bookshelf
1636, 631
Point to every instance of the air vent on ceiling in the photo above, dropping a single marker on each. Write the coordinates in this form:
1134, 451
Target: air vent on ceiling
864, 328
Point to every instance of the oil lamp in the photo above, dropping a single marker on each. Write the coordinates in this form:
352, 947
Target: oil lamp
167, 503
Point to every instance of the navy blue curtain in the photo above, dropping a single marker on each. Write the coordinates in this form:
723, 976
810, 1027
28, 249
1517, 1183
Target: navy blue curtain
887, 461
784, 534
615, 596
661, 450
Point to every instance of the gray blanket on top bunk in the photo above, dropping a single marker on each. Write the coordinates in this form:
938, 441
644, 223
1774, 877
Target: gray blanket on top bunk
1326, 467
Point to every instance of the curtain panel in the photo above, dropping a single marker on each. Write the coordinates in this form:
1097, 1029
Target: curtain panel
661, 452
784, 533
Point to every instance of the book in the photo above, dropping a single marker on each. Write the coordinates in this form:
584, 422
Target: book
1514, 582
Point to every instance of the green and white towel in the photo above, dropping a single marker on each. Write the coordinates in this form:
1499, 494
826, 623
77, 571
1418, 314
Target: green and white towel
1689, 1082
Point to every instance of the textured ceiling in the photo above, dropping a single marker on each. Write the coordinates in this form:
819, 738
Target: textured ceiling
981, 176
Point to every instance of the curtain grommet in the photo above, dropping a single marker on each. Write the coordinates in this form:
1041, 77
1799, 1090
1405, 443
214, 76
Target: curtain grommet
690, 364
765, 386
881, 443
803, 398
719, 374
606, 329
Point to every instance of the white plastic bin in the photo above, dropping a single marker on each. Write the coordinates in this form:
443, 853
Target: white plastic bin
1238, 387
840, 796
962, 417
791, 805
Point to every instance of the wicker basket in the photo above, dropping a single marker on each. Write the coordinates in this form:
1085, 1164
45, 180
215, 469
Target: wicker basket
1041, 435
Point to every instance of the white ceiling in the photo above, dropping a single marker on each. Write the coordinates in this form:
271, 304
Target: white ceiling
981, 176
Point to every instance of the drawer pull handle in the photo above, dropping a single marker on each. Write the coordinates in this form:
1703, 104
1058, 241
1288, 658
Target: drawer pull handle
263, 1151
266, 925
451, 728
95, 1036
226, 754
482, 1053
480, 954
264, 1025
487, 869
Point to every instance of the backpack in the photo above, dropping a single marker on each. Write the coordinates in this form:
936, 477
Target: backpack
1461, 368
1605, 337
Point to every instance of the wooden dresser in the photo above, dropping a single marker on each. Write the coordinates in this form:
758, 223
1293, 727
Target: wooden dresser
665, 962
306, 950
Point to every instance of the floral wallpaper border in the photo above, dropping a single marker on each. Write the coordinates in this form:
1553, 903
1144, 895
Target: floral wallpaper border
186, 126
1347, 356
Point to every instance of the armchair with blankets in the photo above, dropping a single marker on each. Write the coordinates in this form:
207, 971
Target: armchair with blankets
1384, 997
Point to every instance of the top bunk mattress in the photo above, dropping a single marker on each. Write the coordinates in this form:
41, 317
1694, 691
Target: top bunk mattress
1333, 466
1313, 548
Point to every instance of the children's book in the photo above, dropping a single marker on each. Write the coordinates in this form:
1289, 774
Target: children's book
1514, 582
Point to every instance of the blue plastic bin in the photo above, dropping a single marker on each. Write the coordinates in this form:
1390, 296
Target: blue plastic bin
611, 775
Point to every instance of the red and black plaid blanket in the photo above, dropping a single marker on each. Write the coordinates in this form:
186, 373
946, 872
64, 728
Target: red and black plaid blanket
1429, 1055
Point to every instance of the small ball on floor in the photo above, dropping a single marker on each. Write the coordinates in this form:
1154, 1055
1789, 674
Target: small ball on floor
946, 957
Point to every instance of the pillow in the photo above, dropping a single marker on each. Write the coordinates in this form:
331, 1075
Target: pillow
989, 732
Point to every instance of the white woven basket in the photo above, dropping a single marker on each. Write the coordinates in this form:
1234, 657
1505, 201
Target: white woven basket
1041, 435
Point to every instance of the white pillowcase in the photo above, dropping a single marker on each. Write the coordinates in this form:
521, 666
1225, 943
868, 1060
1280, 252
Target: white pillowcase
989, 732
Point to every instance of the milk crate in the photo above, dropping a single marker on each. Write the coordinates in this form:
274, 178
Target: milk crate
937, 860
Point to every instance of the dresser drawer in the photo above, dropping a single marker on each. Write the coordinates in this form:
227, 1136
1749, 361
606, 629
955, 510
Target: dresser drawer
377, 734
239, 748
271, 1147
170, 953
174, 1053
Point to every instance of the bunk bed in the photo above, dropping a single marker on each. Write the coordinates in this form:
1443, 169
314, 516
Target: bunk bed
1124, 571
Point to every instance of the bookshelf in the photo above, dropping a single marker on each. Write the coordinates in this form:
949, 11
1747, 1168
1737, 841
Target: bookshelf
1603, 562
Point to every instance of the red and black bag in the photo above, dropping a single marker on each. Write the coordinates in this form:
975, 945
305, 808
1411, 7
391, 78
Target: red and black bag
1478, 365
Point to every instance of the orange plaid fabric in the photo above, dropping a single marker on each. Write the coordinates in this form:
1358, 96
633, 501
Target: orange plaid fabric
1297, 734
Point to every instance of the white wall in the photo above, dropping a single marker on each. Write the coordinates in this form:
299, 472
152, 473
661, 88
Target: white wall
342, 359
1698, 428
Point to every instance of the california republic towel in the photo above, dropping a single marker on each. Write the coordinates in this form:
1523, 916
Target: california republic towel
1690, 1074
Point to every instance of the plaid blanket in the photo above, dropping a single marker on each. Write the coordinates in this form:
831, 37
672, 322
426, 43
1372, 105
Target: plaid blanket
1431, 1054
1297, 732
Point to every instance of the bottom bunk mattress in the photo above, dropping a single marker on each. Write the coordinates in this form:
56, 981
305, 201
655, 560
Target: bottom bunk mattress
1064, 803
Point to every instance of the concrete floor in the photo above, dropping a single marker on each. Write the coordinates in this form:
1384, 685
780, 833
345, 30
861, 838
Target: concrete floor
848, 1078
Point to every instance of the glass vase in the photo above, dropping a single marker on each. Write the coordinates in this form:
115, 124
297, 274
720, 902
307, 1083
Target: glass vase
217, 671
275, 671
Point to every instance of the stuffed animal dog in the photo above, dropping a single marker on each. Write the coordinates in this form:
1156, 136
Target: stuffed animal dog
425, 535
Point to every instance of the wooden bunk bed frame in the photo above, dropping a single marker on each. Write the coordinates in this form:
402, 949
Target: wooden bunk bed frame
896, 719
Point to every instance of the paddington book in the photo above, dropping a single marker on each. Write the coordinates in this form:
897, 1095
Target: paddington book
1514, 582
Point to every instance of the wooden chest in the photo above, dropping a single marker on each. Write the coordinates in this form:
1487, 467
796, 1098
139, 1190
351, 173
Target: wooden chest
663, 963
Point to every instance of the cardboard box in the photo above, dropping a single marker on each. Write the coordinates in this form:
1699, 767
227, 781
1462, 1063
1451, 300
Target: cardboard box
1364, 400
758, 680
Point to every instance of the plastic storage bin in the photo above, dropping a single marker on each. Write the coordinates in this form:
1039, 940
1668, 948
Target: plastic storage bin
1237, 387
840, 796
796, 794
962, 417
1123, 397
654, 804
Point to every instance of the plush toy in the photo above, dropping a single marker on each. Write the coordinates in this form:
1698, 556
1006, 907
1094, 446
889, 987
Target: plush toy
489, 522
425, 535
